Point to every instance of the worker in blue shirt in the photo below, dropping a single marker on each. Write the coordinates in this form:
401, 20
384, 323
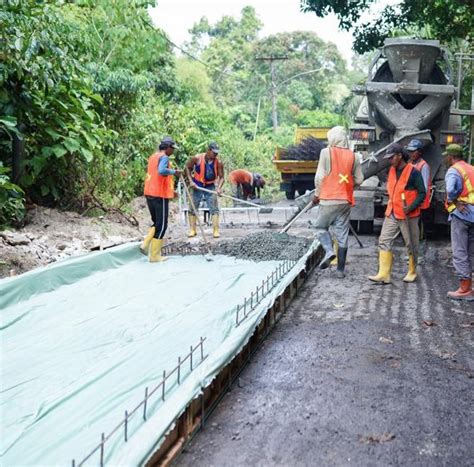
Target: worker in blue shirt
460, 204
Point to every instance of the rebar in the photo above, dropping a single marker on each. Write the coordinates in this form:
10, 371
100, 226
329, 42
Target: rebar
102, 450
163, 386
126, 426
144, 403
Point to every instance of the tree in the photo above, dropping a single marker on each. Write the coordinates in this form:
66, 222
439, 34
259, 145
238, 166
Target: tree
45, 91
448, 20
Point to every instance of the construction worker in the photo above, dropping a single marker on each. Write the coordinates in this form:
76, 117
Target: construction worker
460, 204
338, 173
158, 190
405, 186
206, 171
415, 152
245, 185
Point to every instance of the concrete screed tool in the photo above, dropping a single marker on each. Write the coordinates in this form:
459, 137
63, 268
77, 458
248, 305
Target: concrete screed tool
196, 213
263, 210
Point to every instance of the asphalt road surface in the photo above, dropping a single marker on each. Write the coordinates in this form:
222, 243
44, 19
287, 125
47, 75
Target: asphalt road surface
355, 374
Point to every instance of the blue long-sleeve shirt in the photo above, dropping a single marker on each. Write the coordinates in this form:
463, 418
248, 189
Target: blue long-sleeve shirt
454, 184
163, 168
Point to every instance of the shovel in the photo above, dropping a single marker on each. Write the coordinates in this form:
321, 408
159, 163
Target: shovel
255, 205
196, 214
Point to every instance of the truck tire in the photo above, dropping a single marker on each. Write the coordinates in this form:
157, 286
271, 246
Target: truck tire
290, 194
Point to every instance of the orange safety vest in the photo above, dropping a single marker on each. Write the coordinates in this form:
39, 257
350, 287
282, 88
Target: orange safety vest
395, 190
418, 166
199, 174
339, 183
467, 194
160, 186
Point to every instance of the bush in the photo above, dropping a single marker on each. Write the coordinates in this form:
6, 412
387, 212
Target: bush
12, 202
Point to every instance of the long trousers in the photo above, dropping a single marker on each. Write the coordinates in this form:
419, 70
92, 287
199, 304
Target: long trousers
209, 199
336, 216
159, 209
462, 244
392, 227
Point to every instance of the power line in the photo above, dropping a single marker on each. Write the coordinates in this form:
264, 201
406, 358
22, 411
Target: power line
194, 57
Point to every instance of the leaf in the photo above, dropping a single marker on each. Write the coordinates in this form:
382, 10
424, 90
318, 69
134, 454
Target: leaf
72, 144
59, 150
87, 154
386, 340
383, 438
54, 134
429, 323
44, 190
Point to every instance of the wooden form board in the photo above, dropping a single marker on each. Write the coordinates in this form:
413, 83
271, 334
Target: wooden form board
194, 416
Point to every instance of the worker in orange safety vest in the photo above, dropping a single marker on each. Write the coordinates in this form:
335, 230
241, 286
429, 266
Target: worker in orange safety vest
158, 190
404, 186
245, 185
206, 171
337, 174
460, 204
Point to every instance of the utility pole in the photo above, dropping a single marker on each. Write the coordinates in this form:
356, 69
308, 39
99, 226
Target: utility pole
272, 59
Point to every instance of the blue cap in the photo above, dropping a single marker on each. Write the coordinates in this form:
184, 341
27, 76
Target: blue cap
414, 145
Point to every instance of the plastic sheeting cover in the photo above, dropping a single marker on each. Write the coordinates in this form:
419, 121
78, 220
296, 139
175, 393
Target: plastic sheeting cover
81, 339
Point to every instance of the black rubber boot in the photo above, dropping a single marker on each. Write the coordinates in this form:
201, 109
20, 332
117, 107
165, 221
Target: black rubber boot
326, 242
341, 262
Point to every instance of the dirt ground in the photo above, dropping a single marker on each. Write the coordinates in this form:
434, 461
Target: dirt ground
50, 234
355, 374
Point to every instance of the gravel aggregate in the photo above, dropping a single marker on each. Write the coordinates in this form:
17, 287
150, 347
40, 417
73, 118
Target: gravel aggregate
265, 246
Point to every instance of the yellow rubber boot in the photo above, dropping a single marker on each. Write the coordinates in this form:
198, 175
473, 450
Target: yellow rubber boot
411, 275
154, 251
336, 247
192, 226
385, 268
146, 241
215, 226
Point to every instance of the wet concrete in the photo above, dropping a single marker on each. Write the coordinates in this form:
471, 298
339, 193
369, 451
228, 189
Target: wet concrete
355, 374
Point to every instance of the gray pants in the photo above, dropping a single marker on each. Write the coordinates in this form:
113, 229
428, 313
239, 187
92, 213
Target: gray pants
462, 243
337, 217
392, 227
210, 201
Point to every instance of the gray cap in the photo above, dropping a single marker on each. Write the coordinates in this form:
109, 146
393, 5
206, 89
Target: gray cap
214, 147
393, 149
168, 140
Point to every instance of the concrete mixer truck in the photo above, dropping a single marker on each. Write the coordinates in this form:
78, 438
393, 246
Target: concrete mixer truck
409, 93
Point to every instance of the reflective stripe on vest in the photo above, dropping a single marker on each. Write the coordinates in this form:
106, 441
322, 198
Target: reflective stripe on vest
200, 176
160, 186
467, 194
395, 189
418, 166
338, 184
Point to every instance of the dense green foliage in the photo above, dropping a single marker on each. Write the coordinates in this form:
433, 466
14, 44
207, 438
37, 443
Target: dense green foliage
445, 20
88, 88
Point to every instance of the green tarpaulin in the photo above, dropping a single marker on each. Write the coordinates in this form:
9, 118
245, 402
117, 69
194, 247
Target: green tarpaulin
81, 339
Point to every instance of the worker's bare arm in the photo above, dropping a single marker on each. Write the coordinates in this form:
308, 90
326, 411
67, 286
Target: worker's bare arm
190, 163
